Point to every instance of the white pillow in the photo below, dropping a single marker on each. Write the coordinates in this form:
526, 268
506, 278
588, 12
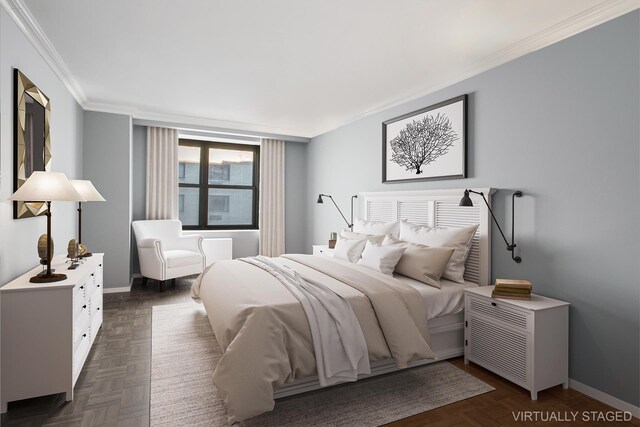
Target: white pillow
381, 258
376, 228
349, 249
347, 234
458, 238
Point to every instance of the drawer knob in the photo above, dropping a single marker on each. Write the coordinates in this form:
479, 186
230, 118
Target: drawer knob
100, 265
91, 274
84, 306
98, 308
84, 335
82, 287
98, 285
494, 304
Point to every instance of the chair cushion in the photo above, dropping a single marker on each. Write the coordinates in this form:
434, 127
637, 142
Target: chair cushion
180, 258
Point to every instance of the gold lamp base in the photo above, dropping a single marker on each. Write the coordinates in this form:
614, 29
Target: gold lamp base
48, 278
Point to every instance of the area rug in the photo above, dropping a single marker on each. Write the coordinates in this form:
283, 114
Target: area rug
185, 353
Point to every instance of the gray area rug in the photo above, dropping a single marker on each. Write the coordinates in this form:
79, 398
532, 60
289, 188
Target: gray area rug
185, 353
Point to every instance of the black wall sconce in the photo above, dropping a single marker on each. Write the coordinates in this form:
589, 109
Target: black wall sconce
349, 224
466, 201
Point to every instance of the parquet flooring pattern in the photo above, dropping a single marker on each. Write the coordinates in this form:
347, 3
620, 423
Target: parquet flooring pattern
113, 388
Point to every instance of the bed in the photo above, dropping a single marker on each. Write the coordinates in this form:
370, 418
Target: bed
262, 328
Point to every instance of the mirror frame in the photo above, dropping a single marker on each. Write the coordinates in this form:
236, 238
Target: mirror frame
23, 87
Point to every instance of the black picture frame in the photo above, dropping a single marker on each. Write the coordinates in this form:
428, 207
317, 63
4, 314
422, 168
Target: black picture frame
463, 141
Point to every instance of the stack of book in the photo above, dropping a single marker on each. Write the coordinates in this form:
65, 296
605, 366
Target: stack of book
512, 289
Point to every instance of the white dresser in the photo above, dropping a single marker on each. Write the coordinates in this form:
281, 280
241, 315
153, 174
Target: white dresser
48, 329
526, 342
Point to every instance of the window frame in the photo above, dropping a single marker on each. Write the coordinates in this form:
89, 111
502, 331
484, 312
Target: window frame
203, 185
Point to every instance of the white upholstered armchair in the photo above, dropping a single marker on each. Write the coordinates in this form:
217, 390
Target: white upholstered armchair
165, 253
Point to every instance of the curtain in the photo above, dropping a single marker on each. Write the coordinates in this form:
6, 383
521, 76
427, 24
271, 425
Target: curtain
162, 173
271, 208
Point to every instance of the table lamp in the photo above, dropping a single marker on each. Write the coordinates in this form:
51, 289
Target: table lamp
47, 187
89, 194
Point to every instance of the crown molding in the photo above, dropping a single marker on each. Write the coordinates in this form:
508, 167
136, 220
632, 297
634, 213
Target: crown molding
590, 18
21, 15
149, 118
583, 21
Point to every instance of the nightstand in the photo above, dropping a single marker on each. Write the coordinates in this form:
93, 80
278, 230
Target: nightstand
322, 250
526, 342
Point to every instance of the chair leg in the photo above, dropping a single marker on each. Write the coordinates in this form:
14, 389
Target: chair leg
144, 281
162, 285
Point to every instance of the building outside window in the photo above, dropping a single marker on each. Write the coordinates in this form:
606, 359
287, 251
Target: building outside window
222, 194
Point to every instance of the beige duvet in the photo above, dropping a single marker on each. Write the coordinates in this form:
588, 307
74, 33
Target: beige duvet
265, 336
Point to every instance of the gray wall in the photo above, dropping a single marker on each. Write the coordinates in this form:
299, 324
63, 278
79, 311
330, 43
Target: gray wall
245, 242
560, 124
18, 238
107, 163
296, 205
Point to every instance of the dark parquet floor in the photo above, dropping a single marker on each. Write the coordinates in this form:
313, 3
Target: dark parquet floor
113, 388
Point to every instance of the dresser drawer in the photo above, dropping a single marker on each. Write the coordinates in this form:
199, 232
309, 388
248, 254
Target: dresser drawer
79, 298
81, 328
496, 310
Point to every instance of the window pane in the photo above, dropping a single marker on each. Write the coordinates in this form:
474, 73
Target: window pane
230, 207
188, 205
230, 167
188, 165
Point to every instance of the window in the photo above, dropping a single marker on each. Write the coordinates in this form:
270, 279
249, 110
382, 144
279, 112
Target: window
181, 203
218, 185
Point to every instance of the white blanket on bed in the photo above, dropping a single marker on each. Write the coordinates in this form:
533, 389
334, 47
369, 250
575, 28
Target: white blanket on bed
339, 344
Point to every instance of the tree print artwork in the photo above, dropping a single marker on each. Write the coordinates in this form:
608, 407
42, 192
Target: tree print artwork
422, 141
430, 143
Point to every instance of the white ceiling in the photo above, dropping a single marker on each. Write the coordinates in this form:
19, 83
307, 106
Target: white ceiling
289, 66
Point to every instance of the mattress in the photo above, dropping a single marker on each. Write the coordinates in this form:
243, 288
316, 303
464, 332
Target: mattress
449, 299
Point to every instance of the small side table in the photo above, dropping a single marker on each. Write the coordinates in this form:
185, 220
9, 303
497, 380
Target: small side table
525, 342
322, 250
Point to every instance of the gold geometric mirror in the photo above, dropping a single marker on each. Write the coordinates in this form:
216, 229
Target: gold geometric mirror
32, 143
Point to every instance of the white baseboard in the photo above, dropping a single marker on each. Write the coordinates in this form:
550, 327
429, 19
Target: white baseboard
603, 397
116, 290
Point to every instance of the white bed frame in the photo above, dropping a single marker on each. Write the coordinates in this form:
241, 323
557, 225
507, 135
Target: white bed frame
435, 208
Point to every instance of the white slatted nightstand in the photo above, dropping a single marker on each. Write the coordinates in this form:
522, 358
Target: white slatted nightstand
322, 250
526, 342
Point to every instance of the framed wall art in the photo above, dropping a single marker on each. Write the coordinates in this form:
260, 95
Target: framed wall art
427, 144
32, 142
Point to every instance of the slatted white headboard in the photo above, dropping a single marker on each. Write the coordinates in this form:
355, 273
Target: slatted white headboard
438, 208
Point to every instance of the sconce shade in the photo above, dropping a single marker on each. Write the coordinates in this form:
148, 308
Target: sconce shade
47, 187
466, 200
87, 190
320, 199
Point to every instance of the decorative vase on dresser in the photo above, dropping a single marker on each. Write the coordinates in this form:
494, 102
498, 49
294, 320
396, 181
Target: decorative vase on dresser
526, 342
48, 329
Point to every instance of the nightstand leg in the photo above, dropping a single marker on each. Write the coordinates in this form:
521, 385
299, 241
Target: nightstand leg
466, 360
68, 396
565, 385
534, 395
3, 407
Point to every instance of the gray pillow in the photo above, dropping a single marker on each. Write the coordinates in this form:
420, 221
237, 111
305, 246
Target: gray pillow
421, 262
458, 238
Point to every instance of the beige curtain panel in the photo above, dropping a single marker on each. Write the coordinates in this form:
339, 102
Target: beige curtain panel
162, 173
271, 219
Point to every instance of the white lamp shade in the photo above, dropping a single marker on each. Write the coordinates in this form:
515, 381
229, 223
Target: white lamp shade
87, 190
47, 187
